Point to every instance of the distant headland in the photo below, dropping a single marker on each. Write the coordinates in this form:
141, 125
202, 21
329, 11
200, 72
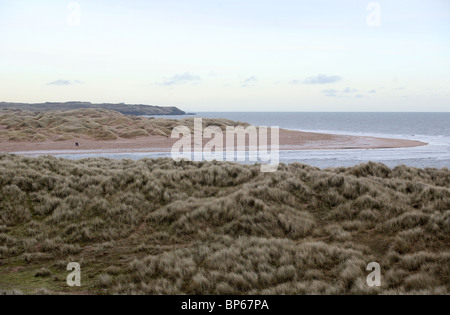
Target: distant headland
134, 110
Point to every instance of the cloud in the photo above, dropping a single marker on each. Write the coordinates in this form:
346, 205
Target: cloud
62, 82
212, 74
347, 92
247, 82
180, 79
372, 91
294, 82
322, 79
331, 92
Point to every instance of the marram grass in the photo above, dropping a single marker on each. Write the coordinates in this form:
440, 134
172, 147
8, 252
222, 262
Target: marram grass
165, 227
97, 124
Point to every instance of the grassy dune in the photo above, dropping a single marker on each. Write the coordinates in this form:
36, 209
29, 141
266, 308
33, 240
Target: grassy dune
96, 124
165, 227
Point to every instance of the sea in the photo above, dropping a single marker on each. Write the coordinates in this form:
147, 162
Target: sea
432, 128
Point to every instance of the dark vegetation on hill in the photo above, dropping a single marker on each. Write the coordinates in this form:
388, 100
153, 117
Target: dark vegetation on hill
166, 227
136, 110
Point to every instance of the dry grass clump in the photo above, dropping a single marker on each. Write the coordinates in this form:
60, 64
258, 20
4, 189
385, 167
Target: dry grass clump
98, 124
166, 227
44, 272
42, 291
244, 266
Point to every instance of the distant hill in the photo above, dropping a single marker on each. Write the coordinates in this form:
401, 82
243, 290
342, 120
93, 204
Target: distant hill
135, 110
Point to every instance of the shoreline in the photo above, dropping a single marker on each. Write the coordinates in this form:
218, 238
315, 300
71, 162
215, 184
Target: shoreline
290, 140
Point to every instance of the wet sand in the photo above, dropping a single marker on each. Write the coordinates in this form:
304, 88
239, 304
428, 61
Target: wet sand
289, 140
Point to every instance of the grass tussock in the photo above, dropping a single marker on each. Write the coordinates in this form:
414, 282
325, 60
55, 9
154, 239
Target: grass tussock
166, 227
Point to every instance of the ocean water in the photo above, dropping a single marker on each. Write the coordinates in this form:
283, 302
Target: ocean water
432, 128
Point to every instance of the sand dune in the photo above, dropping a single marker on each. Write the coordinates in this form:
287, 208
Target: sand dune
156, 226
98, 130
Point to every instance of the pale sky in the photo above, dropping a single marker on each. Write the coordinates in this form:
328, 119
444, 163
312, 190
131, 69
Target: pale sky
229, 55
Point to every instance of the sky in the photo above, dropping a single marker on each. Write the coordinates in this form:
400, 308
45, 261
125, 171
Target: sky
229, 55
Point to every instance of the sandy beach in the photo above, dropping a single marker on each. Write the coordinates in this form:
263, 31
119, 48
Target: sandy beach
289, 140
